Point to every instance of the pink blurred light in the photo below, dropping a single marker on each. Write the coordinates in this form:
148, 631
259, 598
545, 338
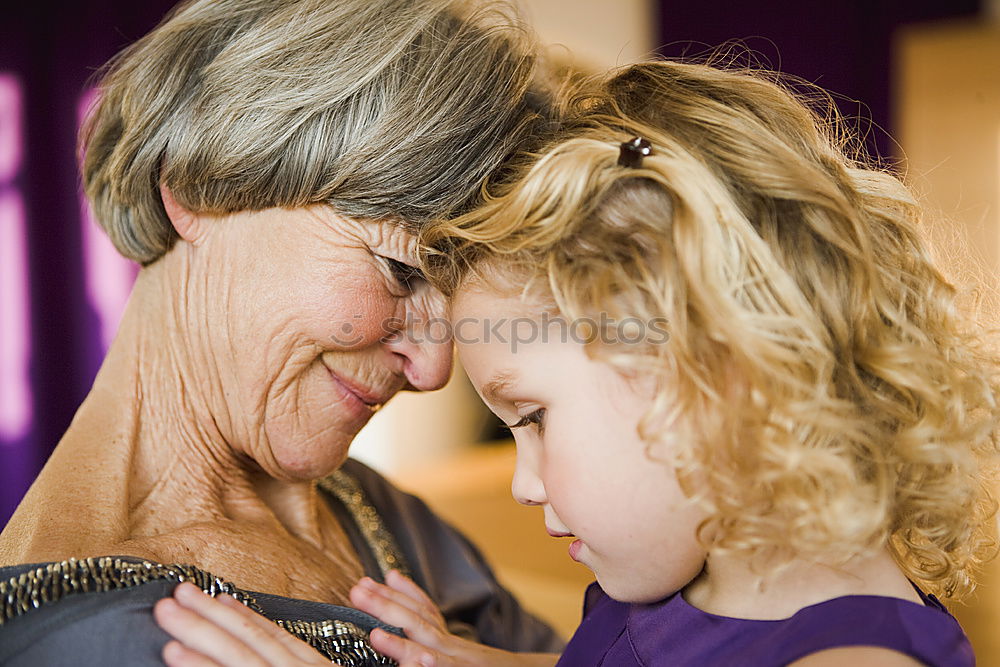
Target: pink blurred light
109, 276
10, 127
15, 320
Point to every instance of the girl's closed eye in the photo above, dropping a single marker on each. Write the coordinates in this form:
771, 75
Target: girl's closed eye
536, 418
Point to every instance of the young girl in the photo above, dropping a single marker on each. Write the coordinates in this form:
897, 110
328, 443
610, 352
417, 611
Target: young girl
736, 383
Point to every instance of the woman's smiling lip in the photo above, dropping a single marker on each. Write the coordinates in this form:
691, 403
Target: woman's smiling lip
366, 398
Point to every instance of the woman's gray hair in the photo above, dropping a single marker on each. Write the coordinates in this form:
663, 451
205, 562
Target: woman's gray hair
383, 109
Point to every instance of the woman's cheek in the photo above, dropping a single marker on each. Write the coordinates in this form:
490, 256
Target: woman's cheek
360, 322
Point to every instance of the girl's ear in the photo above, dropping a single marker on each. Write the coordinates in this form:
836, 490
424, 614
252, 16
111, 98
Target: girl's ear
187, 223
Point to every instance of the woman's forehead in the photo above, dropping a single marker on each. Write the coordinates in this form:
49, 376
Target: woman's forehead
386, 236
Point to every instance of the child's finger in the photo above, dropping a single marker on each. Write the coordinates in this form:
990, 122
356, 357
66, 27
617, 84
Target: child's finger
282, 639
390, 611
270, 641
230, 633
176, 654
404, 651
368, 588
400, 582
419, 604
213, 644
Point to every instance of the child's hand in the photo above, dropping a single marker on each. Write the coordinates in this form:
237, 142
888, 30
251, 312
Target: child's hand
428, 643
222, 631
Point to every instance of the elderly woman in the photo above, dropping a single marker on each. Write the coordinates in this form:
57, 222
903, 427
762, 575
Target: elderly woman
268, 163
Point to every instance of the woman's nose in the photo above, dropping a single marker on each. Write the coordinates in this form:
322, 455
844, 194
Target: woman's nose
426, 349
527, 487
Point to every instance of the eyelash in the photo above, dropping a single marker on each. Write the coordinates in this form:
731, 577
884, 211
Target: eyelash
403, 273
536, 417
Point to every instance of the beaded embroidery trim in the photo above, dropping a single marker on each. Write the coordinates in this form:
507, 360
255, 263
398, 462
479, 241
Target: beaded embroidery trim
340, 641
348, 491
344, 643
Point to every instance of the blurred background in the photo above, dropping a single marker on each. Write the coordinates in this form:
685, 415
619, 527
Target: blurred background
920, 79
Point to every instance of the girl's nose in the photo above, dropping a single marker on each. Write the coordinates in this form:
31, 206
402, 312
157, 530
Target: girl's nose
527, 487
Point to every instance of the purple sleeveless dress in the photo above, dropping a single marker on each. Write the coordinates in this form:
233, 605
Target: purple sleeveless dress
672, 632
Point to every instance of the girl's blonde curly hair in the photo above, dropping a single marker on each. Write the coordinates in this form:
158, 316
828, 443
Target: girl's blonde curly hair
822, 394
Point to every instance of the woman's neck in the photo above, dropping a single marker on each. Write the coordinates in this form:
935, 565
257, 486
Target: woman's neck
145, 456
730, 587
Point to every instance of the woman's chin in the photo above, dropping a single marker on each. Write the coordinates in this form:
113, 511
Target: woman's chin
309, 461
314, 469
310, 446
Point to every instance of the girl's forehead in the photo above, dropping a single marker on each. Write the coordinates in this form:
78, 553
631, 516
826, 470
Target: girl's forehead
475, 294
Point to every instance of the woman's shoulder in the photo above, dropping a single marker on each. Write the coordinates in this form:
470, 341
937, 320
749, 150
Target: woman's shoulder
98, 611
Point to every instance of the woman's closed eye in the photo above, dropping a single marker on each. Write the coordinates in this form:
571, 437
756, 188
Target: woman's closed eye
536, 418
405, 275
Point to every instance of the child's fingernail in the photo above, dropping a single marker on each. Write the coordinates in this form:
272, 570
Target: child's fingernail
229, 600
173, 650
168, 604
187, 591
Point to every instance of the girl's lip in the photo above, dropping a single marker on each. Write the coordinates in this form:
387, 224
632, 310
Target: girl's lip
574, 549
556, 533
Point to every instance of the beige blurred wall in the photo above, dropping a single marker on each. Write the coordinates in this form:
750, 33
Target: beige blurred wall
595, 34
948, 101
